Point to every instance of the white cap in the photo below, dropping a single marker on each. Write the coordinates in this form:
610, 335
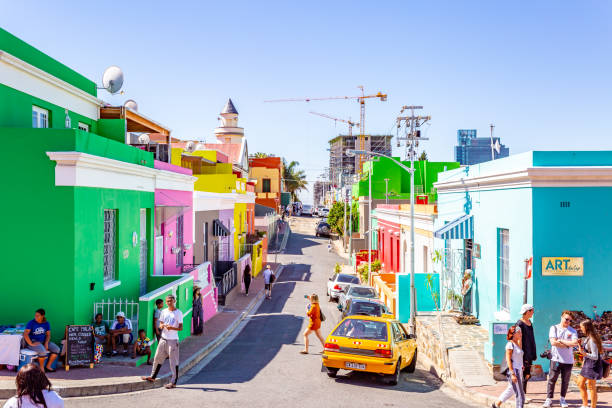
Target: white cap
121, 314
525, 308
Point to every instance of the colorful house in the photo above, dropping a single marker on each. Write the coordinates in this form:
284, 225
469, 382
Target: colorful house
268, 171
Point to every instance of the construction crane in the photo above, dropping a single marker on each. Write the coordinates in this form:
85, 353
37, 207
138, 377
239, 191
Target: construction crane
349, 122
361, 99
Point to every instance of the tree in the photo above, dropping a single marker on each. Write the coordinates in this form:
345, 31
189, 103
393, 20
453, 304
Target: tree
335, 219
295, 180
423, 156
260, 155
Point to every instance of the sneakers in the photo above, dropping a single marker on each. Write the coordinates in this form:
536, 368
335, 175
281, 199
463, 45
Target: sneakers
563, 403
547, 403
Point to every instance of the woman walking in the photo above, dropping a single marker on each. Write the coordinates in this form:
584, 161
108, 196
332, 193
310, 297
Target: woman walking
246, 278
198, 318
591, 365
514, 373
33, 390
314, 313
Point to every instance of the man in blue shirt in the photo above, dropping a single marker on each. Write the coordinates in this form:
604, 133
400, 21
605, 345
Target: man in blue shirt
37, 336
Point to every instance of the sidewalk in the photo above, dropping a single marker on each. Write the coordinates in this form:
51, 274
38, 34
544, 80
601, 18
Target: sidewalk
111, 379
472, 338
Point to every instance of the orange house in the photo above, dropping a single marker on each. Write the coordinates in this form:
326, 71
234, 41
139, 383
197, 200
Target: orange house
268, 173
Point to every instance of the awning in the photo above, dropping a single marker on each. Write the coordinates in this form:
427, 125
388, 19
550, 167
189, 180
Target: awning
461, 228
220, 230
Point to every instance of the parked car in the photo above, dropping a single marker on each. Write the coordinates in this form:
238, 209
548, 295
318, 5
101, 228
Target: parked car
323, 212
372, 344
356, 291
338, 283
365, 307
307, 210
323, 229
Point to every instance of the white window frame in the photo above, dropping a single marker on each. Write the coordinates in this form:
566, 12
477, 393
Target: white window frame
84, 127
110, 246
503, 271
39, 112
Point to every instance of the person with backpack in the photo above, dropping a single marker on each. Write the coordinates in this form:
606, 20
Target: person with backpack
512, 366
269, 279
314, 325
591, 365
528, 343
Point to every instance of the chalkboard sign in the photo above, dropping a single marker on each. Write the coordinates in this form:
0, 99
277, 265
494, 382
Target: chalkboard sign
79, 346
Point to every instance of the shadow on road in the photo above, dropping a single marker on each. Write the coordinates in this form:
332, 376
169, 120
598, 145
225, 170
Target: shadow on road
420, 381
298, 242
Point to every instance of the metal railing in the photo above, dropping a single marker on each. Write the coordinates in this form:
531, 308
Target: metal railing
227, 281
245, 249
109, 309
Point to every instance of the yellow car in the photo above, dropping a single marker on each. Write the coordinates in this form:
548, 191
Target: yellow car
372, 344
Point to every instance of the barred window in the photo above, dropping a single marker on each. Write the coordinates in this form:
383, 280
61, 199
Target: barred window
110, 244
503, 268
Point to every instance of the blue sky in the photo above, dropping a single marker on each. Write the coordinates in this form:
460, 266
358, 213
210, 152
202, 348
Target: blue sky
540, 71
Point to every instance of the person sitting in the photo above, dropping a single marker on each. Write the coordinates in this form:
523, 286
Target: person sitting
357, 331
121, 333
142, 347
102, 333
37, 336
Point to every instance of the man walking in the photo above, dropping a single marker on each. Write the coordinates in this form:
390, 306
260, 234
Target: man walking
527, 342
563, 338
268, 280
170, 323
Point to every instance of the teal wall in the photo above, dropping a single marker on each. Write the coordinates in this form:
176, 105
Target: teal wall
424, 303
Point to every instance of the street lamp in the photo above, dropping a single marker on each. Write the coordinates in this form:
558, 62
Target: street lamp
411, 171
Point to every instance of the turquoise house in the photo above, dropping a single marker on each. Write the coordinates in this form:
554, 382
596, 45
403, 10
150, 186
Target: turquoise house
544, 207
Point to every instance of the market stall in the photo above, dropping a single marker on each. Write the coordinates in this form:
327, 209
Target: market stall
10, 345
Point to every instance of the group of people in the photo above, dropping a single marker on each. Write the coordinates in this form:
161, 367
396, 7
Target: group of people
521, 353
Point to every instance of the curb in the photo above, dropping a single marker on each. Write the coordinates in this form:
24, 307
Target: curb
139, 385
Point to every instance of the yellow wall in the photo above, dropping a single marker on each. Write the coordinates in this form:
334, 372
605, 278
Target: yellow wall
257, 258
261, 173
240, 225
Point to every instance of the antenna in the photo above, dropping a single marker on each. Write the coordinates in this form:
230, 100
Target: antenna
144, 139
112, 79
190, 147
131, 105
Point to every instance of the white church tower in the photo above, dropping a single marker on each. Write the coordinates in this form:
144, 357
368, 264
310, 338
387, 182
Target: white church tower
229, 132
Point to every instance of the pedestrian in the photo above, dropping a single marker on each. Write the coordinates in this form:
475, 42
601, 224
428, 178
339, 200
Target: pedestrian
197, 318
514, 372
591, 364
37, 335
171, 322
159, 306
33, 390
527, 342
466, 292
246, 278
269, 279
314, 324
563, 338
329, 246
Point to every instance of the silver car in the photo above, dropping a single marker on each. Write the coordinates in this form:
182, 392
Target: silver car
338, 283
356, 291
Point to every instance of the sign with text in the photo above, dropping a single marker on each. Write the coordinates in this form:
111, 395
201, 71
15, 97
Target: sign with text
79, 346
562, 266
476, 251
500, 328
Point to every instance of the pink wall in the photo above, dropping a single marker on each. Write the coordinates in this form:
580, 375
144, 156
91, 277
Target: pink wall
388, 242
209, 291
171, 167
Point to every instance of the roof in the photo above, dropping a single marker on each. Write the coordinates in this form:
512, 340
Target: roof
229, 107
231, 150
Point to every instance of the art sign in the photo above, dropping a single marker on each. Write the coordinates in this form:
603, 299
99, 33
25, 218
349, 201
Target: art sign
562, 266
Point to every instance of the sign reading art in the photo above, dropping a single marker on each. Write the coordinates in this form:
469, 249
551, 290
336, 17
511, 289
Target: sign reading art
562, 266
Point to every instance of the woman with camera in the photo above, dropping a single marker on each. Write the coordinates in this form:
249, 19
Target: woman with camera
591, 365
514, 370
314, 325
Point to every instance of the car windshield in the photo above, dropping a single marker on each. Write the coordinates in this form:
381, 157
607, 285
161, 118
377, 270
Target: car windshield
347, 279
362, 329
362, 292
367, 308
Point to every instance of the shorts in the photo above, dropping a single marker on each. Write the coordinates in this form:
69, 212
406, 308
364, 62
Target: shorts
268, 286
42, 352
99, 340
143, 351
125, 338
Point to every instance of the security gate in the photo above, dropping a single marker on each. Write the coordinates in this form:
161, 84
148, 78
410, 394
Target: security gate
453, 266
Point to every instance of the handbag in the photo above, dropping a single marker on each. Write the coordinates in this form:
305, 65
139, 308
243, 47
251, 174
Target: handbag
605, 368
322, 316
503, 366
548, 352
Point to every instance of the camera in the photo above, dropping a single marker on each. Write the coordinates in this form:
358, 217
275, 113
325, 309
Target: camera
546, 354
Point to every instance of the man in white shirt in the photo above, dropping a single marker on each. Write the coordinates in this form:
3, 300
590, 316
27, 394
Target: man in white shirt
563, 339
170, 323
268, 280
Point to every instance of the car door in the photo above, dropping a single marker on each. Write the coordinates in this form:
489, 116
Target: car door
410, 343
400, 339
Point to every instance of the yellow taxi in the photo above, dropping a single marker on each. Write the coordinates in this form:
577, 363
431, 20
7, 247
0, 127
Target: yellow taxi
372, 344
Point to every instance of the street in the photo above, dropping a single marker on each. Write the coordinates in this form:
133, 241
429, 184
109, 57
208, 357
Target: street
262, 365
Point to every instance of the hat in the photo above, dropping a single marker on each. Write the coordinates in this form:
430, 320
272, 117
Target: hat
121, 314
525, 308
267, 266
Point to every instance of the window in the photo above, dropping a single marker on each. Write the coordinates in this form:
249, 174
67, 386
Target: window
503, 269
110, 244
40, 117
205, 242
266, 186
425, 259
84, 127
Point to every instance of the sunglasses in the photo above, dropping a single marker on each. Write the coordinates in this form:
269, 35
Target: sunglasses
567, 319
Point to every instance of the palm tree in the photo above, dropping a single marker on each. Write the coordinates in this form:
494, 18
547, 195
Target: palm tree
295, 180
260, 155
423, 156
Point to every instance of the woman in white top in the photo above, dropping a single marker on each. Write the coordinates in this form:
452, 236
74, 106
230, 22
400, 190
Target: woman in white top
34, 390
591, 365
514, 373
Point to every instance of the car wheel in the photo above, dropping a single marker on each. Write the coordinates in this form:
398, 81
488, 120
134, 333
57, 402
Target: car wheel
395, 377
332, 372
412, 366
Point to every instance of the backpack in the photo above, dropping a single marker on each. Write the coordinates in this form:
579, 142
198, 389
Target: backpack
272, 277
503, 366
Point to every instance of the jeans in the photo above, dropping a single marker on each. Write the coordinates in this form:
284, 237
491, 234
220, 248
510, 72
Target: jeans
526, 374
40, 349
515, 389
557, 368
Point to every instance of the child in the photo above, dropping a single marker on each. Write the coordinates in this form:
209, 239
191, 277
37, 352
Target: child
141, 346
102, 333
159, 304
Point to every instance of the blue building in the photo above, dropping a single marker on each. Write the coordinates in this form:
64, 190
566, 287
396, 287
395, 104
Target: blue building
473, 150
550, 207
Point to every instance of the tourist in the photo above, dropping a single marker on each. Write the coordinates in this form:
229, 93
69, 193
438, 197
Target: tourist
314, 325
269, 279
102, 333
514, 371
527, 342
466, 292
37, 336
198, 318
563, 339
246, 279
591, 370
33, 390
121, 333
142, 346
171, 322
159, 305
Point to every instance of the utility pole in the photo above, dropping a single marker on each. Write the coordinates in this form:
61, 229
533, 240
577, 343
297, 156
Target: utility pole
370, 174
387, 191
413, 135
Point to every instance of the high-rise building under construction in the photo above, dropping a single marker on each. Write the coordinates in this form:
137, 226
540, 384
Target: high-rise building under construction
340, 162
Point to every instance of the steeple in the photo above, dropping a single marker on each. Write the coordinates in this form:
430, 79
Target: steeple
229, 132
229, 107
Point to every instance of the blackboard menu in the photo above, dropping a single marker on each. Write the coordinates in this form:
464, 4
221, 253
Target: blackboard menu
79, 346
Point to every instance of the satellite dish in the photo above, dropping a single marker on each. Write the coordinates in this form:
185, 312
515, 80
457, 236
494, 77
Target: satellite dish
112, 79
144, 139
131, 105
190, 147
200, 146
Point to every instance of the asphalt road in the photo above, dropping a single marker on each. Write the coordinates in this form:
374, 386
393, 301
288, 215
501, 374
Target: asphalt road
261, 365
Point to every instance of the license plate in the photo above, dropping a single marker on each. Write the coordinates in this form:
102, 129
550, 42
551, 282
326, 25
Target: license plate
355, 366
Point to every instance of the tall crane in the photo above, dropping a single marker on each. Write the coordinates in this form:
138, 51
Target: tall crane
349, 122
361, 99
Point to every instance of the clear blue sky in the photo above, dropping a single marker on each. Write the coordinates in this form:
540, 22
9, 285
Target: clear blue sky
541, 71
